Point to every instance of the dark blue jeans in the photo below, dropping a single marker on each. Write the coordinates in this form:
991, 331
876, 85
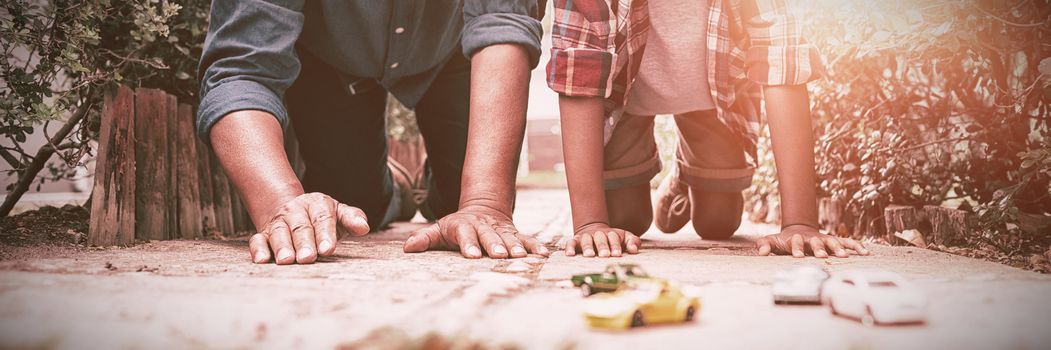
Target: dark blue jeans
343, 138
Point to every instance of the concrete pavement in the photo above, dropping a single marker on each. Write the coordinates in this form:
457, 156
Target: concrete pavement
205, 294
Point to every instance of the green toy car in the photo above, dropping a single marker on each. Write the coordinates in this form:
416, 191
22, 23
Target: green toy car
609, 280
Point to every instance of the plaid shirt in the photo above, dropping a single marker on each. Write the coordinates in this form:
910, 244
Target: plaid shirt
598, 45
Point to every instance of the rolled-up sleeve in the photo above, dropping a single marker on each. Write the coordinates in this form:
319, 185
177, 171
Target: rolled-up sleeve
778, 54
493, 22
249, 59
583, 51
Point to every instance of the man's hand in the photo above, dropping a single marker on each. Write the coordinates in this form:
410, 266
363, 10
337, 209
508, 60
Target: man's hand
604, 240
472, 227
799, 240
306, 227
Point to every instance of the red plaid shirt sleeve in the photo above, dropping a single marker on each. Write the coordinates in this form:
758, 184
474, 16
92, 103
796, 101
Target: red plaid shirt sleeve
777, 53
583, 53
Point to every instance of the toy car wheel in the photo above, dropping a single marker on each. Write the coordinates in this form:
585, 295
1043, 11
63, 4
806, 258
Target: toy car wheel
868, 319
689, 313
636, 319
585, 290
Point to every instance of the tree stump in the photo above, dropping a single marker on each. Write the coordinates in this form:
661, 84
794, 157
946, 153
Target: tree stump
899, 218
224, 220
112, 219
152, 175
204, 178
939, 225
949, 226
830, 217
188, 189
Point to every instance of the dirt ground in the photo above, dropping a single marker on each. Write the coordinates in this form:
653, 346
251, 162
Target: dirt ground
206, 294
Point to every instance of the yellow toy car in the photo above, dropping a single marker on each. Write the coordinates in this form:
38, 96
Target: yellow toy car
640, 302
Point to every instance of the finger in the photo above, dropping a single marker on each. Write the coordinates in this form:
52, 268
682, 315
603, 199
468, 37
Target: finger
797, 246
352, 220
601, 243
532, 245
615, 244
491, 242
425, 239
571, 246
835, 247
513, 244
324, 223
817, 247
467, 239
587, 245
855, 246
763, 245
280, 240
302, 235
259, 248
632, 242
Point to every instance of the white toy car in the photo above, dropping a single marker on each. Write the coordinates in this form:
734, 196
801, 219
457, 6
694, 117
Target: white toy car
874, 297
800, 284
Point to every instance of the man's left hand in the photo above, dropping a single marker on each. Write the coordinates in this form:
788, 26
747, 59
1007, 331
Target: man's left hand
472, 230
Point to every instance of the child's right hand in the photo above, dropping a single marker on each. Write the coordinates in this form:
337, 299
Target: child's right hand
604, 240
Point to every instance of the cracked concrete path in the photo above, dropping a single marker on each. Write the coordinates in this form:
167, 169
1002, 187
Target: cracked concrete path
205, 294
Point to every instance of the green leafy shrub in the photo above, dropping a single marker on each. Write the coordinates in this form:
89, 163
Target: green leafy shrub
59, 57
932, 103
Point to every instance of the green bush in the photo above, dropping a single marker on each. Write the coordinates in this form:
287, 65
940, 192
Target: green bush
59, 57
932, 103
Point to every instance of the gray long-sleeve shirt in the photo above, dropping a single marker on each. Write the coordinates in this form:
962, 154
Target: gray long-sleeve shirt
249, 57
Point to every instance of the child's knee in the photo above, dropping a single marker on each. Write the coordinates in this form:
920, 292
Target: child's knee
629, 208
712, 227
716, 216
637, 222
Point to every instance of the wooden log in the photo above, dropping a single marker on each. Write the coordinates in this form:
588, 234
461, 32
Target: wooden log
152, 176
950, 227
831, 218
191, 225
112, 219
204, 177
237, 210
899, 218
224, 220
171, 106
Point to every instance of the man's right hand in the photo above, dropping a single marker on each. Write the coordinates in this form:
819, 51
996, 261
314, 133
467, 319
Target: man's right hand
304, 228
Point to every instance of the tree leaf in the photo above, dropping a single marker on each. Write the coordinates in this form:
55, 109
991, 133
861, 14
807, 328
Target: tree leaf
1045, 68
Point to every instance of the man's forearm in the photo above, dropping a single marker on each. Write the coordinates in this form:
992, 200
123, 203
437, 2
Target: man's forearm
792, 137
582, 147
250, 146
499, 91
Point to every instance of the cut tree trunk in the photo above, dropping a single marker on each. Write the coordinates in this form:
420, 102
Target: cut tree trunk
113, 198
151, 159
949, 226
191, 224
204, 177
224, 220
938, 225
899, 218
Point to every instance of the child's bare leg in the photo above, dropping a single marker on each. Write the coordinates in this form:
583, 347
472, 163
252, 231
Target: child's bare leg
716, 215
629, 208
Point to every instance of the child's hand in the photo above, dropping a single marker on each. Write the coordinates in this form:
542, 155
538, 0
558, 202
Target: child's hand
607, 241
801, 239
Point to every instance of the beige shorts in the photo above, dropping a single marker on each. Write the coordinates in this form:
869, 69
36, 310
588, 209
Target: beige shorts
709, 156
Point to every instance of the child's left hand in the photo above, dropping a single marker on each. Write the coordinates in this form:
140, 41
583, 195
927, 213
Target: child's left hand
799, 240
601, 240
